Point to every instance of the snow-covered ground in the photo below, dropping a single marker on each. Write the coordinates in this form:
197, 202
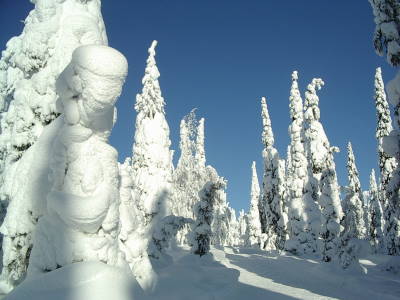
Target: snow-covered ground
226, 274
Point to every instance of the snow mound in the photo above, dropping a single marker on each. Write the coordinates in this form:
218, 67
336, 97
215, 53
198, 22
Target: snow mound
80, 281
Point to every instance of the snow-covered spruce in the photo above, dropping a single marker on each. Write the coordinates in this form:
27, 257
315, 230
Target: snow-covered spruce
151, 172
386, 36
272, 201
220, 225
164, 232
254, 225
301, 207
353, 221
242, 229
201, 233
29, 67
375, 234
82, 219
233, 236
190, 174
323, 183
384, 127
386, 39
354, 201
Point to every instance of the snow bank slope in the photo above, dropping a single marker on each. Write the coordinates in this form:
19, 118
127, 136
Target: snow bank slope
80, 281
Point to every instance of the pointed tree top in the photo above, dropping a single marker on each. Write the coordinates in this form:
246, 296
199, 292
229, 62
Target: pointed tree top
253, 168
296, 103
372, 182
311, 101
255, 186
267, 134
384, 121
200, 151
152, 49
150, 101
350, 150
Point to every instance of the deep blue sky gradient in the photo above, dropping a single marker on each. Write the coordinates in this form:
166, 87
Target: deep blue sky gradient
222, 56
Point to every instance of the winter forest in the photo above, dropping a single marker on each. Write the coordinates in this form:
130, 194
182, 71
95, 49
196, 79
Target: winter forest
79, 221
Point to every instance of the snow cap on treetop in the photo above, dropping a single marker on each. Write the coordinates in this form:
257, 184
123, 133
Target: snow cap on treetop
152, 49
101, 60
267, 134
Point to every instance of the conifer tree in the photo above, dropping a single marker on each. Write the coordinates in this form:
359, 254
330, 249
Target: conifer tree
384, 127
201, 233
303, 235
190, 174
386, 37
375, 211
323, 180
151, 171
152, 157
354, 202
242, 228
273, 196
29, 67
353, 221
254, 226
386, 41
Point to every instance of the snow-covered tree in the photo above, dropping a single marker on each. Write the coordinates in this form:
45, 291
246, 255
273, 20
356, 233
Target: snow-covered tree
151, 172
190, 174
375, 233
201, 233
386, 14
386, 37
152, 158
301, 207
353, 221
82, 219
323, 183
386, 41
254, 225
331, 209
29, 67
243, 237
167, 228
274, 192
354, 201
233, 235
384, 127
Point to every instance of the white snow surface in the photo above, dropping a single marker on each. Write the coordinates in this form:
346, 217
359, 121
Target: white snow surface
233, 274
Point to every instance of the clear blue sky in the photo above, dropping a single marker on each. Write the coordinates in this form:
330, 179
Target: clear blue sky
222, 56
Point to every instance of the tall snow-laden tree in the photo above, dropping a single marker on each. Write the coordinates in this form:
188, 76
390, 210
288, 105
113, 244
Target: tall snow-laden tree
152, 157
82, 219
29, 67
353, 221
254, 226
375, 233
302, 234
323, 183
386, 37
233, 228
190, 174
384, 127
354, 201
243, 238
386, 41
151, 170
201, 233
274, 193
